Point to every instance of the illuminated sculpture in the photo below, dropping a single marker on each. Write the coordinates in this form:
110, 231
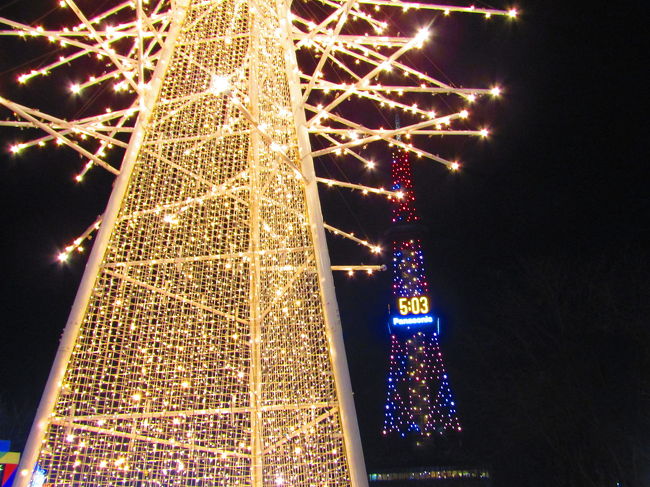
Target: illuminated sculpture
419, 401
204, 344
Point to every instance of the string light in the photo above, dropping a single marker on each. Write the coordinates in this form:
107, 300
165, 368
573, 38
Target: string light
202, 354
419, 401
219, 84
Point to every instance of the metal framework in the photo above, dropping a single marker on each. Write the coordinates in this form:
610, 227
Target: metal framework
204, 344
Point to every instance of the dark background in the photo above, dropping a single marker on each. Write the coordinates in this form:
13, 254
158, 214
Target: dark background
536, 252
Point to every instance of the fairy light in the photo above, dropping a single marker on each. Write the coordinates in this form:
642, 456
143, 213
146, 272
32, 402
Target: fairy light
421, 37
219, 85
419, 401
76, 245
401, 176
203, 349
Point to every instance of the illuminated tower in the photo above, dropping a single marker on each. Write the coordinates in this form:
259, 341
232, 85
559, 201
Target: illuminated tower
204, 344
419, 401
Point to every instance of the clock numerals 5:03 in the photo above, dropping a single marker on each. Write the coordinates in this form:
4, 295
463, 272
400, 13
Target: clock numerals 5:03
417, 305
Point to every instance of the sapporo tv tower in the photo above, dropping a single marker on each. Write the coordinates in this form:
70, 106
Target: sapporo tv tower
419, 401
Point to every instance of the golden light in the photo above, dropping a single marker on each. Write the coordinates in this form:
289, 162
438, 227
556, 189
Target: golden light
201, 343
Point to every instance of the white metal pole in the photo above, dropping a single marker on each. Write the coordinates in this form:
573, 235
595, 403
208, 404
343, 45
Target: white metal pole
257, 465
351, 436
84, 293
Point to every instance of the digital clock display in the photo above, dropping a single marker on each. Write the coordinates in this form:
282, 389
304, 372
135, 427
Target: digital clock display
416, 305
413, 311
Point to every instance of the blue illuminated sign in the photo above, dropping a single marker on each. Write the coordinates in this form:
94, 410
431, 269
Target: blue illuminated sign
416, 321
412, 320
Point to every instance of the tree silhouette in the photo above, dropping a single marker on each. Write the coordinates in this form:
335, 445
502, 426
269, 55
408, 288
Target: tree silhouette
561, 352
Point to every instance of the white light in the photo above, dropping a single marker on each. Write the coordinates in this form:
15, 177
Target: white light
421, 36
496, 91
219, 84
512, 13
38, 477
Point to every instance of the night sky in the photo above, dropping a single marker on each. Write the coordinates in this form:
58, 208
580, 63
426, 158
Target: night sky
536, 254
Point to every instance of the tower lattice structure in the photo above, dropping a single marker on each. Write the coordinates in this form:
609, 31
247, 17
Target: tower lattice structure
204, 344
419, 401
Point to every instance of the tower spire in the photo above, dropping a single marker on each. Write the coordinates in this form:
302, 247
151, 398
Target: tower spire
397, 127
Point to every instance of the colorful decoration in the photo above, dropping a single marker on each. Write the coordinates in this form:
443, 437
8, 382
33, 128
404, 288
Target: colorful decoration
8, 464
401, 174
419, 399
204, 346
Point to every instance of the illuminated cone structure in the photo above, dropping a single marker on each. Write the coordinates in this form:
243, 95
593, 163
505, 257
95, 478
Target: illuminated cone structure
204, 346
419, 401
